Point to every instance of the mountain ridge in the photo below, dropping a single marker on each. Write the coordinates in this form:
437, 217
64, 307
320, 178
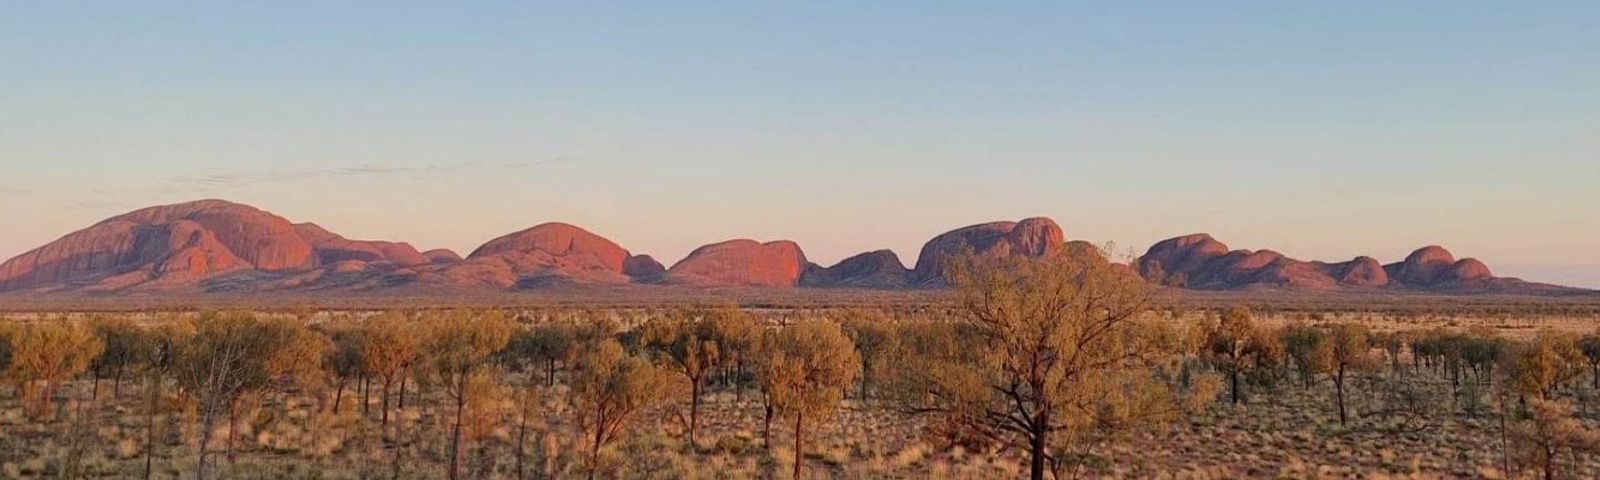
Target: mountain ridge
212, 246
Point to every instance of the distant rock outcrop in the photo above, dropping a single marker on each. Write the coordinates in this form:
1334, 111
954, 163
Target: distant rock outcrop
1433, 266
880, 269
545, 253
164, 246
1199, 261
1033, 237
212, 246
1359, 272
739, 263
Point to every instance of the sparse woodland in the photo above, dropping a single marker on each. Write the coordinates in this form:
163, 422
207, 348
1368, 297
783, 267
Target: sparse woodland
1062, 368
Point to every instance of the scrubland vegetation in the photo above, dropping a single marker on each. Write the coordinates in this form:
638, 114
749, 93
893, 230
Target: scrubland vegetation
1062, 368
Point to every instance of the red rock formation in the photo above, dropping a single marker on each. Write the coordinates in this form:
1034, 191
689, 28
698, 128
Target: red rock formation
560, 240
1433, 266
1031, 237
741, 263
1423, 267
1469, 269
1172, 261
1360, 272
331, 248
183, 243
876, 269
546, 253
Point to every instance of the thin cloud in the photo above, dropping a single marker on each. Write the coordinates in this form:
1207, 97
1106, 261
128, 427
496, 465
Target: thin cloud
236, 179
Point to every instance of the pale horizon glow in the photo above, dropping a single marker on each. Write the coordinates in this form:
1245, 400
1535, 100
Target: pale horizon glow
1322, 132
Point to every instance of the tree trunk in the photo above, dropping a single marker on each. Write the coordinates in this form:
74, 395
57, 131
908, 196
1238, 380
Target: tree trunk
207, 420
1338, 386
1233, 378
799, 445
694, 411
550, 372
402, 405
455, 431
385, 401
233, 423
522, 434
766, 429
594, 450
366, 388
338, 396
94, 390
44, 400
1036, 452
399, 442
150, 426
116, 384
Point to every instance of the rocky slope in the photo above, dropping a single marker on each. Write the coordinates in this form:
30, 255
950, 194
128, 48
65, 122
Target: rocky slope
1031, 237
741, 263
880, 269
1201, 262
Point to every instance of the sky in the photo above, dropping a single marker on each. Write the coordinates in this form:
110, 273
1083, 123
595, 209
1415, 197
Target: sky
1322, 130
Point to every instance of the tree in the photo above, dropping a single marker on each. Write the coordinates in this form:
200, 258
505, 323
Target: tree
1303, 344
610, 387
545, 345
1538, 366
343, 361
1548, 430
165, 340
872, 335
1234, 346
48, 353
458, 349
1590, 346
388, 346
805, 369
1347, 351
125, 344
230, 356
686, 341
1049, 343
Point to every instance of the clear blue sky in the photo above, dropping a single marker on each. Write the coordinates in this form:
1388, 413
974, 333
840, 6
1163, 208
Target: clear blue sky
1321, 130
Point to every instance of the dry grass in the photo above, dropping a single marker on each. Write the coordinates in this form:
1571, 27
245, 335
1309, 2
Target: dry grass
1290, 432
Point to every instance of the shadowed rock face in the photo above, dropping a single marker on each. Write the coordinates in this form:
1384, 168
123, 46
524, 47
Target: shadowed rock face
741, 263
643, 268
877, 269
174, 243
331, 248
1033, 237
1199, 261
442, 256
